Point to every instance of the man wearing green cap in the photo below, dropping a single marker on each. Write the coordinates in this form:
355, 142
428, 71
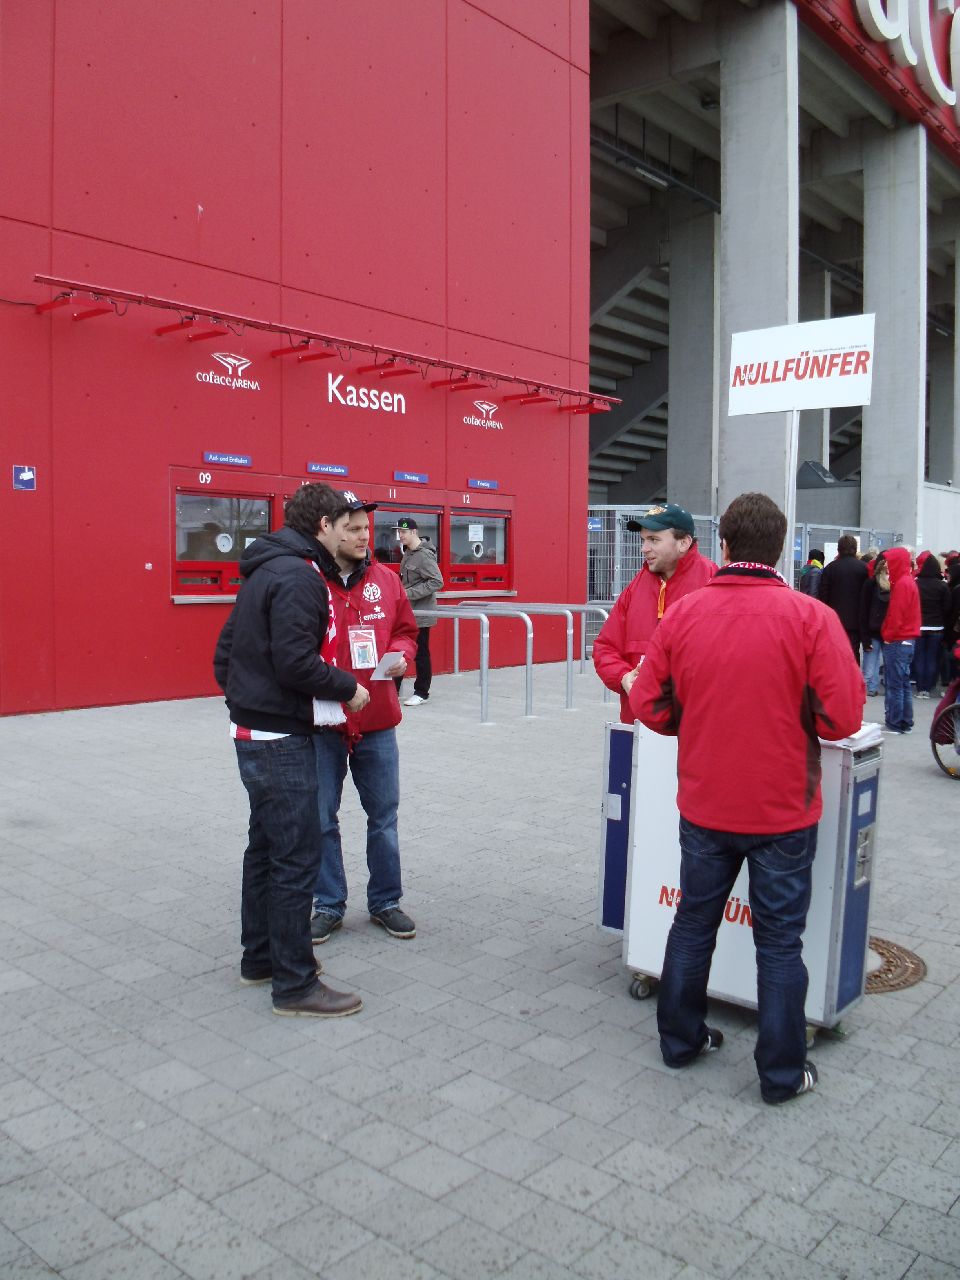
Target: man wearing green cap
672, 568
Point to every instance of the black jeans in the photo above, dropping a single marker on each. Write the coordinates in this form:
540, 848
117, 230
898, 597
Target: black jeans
281, 862
421, 684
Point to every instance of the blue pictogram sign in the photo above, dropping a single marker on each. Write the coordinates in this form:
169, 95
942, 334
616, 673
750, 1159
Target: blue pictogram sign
24, 477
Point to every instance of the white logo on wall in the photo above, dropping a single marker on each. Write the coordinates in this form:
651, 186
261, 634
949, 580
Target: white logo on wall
235, 367
371, 592
487, 421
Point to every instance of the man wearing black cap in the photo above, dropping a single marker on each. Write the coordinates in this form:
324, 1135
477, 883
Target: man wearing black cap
374, 622
422, 579
672, 568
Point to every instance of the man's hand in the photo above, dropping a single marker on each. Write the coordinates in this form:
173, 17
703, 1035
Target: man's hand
399, 668
359, 699
626, 683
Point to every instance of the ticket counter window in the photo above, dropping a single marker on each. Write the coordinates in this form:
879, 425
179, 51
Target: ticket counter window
212, 532
479, 551
386, 545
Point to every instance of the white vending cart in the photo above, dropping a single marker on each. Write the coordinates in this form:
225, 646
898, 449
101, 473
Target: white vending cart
640, 872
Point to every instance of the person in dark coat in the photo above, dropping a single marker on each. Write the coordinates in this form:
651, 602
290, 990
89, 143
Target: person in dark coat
811, 574
840, 588
934, 617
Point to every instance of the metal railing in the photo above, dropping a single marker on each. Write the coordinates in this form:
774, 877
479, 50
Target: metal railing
493, 609
476, 616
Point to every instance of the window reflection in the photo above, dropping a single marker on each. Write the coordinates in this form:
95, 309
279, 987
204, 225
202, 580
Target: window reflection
211, 527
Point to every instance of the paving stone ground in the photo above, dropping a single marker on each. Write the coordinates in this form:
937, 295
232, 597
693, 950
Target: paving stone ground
499, 1108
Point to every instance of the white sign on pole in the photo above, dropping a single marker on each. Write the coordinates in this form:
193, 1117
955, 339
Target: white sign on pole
822, 364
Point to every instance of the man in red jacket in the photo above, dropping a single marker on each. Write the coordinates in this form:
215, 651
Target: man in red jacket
374, 619
673, 567
747, 674
899, 632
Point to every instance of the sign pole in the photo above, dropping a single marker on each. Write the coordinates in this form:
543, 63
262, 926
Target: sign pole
790, 507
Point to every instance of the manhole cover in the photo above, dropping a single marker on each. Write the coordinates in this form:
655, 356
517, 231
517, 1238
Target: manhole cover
900, 968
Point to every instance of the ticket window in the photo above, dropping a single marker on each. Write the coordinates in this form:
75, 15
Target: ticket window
385, 544
212, 531
479, 551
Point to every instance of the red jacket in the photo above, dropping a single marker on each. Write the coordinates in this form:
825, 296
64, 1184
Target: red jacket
903, 613
748, 674
625, 636
375, 598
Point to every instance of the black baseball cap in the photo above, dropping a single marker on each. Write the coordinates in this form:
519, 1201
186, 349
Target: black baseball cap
668, 516
353, 503
406, 522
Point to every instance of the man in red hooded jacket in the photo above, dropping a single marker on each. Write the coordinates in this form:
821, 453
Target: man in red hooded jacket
899, 632
373, 618
747, 674
672, 568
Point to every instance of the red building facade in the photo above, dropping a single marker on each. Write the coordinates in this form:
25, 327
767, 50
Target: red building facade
407, 178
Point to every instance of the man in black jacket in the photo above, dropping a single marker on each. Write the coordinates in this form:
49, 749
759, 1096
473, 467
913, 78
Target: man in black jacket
840, 586
275, 663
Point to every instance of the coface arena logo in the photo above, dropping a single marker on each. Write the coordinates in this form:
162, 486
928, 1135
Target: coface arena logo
235, 367
487, 421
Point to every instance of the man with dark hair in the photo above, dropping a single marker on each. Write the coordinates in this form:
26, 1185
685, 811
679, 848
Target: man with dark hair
747, 674
276, 663
374, 620
672, 568
841, 585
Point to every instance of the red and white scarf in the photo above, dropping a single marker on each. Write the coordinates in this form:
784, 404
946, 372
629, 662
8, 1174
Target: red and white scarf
324, 711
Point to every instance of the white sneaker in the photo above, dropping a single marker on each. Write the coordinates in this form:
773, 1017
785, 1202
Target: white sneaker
414, 700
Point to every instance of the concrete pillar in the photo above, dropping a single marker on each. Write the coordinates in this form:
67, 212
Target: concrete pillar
759, 228
815, 304
941, 359
692, 372
895, 289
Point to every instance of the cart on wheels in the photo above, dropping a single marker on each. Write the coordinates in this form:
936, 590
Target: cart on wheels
640, 872
945, 731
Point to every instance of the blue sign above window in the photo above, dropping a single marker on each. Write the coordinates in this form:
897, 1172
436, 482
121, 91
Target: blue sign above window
24, 477
594, 524
411, 477
228, 459
327, 469
483, 484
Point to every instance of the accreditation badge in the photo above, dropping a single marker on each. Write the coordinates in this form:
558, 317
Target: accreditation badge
363, 648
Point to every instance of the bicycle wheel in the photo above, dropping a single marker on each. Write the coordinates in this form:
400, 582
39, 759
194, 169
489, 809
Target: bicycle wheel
945, 740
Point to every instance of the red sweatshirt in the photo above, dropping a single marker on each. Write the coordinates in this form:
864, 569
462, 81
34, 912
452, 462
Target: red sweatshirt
748, 674
625, 636
903, 613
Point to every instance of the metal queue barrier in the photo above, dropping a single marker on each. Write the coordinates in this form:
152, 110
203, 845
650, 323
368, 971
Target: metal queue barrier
477, 616
640, 872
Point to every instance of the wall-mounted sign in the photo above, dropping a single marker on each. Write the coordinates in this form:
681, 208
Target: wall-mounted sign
235, 367
340, 392
228, 459
24, 477
327, 469
483, 484
486, 409
411, 477
594, 524
818, 365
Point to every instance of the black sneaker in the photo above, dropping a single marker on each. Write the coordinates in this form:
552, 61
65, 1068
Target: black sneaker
806, 1085
321, 927
396, 922
264, 976
712, 1043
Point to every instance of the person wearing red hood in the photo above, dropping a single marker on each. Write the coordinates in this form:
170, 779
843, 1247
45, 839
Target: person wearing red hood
672, 568
899, 631
373, 618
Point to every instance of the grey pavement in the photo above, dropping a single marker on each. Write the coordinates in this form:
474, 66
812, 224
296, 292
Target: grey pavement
499, 1107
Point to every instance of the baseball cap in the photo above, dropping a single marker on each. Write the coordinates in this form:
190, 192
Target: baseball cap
406, 522
353, 503
669, 516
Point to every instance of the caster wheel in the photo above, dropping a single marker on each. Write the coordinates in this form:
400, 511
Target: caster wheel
641, 988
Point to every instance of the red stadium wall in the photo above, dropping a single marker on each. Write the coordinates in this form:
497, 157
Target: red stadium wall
413, 176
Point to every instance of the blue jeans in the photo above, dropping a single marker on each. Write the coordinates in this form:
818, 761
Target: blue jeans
780, 868
280, 863
898, 697
375, 766
871, 664
927, 660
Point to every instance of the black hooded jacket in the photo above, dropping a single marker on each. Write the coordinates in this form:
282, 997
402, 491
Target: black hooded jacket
267, 659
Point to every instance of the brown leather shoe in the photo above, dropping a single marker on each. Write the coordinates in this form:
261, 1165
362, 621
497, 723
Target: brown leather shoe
322, 1002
